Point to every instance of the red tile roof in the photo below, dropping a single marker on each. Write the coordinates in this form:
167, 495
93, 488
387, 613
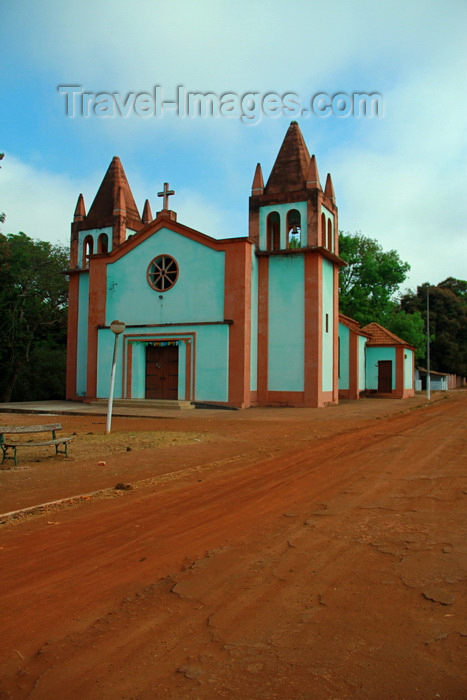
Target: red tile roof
352, 324
348, 321
381, 336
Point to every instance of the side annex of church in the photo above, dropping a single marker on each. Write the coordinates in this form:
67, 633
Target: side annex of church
241, 322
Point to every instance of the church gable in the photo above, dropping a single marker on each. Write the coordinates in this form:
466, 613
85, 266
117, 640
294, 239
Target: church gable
166, 277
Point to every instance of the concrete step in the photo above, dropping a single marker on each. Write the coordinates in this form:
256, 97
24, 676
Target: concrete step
147, 403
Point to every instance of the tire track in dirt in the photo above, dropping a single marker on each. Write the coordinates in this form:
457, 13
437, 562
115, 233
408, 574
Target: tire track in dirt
254, 618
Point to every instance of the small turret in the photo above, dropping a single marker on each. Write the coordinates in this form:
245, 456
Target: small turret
329, 189
258, 182
80, 211
147, 214
312, 178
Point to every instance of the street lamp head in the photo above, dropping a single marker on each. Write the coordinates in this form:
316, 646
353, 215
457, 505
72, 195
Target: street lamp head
117, 327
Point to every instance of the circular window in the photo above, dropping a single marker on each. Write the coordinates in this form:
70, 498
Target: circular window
162, 273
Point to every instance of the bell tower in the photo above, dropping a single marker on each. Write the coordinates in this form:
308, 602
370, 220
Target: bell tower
112, 217
293, 224
294, 180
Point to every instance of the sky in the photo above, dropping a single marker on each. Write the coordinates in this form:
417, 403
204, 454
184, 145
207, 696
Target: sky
400, 175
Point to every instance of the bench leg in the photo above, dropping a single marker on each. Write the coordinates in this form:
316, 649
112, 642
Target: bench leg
62, 452
5, 456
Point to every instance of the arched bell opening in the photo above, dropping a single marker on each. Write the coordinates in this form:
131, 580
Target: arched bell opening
273, 227
103, 243
88, 249
294, 229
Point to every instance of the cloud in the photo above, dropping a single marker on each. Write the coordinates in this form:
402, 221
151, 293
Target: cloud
198, 212
227, 46
37, 202
42, 203
399, 179
404, 182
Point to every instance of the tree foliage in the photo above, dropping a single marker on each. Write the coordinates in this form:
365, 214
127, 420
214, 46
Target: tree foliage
33, 298
459, 287
371, 279
2, 214
448, 322
368, 288
411, 328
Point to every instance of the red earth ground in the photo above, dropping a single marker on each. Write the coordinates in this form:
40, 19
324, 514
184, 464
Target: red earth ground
268, 553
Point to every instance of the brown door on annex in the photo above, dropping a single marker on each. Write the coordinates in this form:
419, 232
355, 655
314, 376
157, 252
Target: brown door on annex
162, 372
385, 376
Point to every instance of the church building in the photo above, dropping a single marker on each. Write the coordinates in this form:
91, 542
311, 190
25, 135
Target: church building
240, 322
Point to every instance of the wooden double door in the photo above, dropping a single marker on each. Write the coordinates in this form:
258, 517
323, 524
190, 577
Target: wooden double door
162, 372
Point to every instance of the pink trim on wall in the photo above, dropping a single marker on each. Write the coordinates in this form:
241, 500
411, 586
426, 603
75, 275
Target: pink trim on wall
313, 329
96, 318
237, 307
127, 358
263, 330
72, 337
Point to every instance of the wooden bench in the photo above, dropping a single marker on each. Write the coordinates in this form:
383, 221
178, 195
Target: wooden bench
7, 444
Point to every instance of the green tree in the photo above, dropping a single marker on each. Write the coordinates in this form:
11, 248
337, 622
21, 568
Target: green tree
411, 328
2, 214
459, 287
368, 288
448, 322
33, 298
371, 279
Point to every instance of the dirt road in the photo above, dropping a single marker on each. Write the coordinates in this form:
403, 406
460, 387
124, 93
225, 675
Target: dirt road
258, 556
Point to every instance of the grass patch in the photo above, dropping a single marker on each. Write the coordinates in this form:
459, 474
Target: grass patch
100, 445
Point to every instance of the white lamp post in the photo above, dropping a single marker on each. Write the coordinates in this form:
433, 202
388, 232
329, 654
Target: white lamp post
116, 327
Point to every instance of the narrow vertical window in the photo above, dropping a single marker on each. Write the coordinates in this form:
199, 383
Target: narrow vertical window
330, 246
323, 230
88, 246
339, 357
327, 323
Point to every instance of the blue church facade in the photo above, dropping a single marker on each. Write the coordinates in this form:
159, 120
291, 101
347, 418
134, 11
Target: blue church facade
242, 321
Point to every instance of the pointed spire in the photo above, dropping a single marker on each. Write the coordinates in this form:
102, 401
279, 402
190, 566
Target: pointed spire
119, 218
329, 189
258, 182
80, 211
147, 214
312, 178
290, 170
119, 203
101, 211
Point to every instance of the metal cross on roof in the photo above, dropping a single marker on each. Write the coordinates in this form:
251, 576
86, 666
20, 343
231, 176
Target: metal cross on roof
166, 193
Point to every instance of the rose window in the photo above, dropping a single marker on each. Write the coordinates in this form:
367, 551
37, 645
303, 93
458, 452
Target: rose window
162, 273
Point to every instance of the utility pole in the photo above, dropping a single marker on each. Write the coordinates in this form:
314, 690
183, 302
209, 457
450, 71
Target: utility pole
428, 377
